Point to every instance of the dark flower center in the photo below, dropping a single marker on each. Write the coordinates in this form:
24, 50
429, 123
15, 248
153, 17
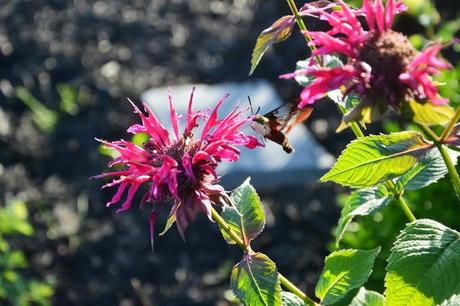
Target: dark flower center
388, 54
177, 151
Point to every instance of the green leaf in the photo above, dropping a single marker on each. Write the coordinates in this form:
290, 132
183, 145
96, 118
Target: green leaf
424, 265
169, 222
10, 275
246, 217
343, 271
368, 298
254, 281
370, 160
43, 117
329, 61
140, 138
69, 98
14, 259
290, 299
13, 219
427, 113
362, 203
348, 102
39, 291
428, 171
453, 301
280, 30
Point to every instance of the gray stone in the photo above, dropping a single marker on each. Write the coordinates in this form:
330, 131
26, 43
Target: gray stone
269, 166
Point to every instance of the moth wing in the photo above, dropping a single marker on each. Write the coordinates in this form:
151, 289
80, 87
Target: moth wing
298, 116
279, 116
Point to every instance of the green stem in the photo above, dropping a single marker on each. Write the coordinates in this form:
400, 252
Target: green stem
403, 204
453, 174
295, 290
400, 200
354, 126
283, 280
224, 225
298, 19
450, 126
429, 133
450, 167
302, 27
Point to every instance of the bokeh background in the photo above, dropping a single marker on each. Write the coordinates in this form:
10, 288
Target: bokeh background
66, 68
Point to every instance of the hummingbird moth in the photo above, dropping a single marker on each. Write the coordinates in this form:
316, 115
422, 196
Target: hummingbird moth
275, 124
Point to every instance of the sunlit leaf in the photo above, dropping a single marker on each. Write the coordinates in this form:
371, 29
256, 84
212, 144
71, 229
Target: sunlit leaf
246, 217
254, 281
39, 291
104, 150
13, 219
169, 222
139, 138
290, 299
370, 160
343, 271
368, 298
362, 203
424, 265
452, 301
14, 259
427, 113
280, 30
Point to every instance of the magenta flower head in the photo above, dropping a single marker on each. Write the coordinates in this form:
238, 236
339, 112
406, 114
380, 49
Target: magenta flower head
382, 67
178, 169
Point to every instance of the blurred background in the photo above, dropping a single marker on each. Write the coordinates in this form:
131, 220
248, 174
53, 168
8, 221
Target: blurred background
66, 68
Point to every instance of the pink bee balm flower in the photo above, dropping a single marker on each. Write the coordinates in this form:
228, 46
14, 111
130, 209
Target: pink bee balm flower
178, 169
380, 62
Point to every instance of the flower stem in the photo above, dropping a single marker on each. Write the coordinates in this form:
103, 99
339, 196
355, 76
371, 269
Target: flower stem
446, 133
295, 290
298, 19
445, 154
429, 133
302, 27
403, 204
450, 167
354, 126
283, 280
224, 225
400, 200
453, 173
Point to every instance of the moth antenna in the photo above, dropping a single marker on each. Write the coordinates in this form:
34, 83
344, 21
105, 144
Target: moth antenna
258, 109
250, 104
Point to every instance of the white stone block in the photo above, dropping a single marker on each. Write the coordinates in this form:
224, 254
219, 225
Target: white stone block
270, 166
